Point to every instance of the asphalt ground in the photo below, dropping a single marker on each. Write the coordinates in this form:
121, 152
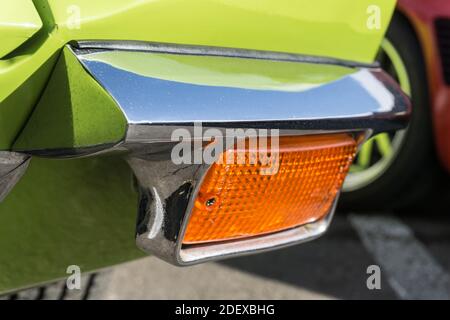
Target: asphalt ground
413, 255
412, 251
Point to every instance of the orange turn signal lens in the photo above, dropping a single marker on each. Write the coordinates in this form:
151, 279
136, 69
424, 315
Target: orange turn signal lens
243, 199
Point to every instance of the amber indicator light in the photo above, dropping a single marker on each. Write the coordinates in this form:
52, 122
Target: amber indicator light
295, 186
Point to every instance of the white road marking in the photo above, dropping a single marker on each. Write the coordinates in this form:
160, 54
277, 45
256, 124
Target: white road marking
410, 269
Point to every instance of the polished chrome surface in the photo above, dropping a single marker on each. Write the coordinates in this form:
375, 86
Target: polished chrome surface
12, 167
166, 192
362, 101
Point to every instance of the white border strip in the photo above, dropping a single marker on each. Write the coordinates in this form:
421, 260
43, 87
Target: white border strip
412, 272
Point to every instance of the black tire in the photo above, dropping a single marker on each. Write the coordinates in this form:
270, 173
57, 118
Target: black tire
409, 180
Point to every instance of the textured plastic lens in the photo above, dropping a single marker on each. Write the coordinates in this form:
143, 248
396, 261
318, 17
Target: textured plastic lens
245, 198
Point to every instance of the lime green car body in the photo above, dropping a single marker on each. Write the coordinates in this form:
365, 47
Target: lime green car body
62, 207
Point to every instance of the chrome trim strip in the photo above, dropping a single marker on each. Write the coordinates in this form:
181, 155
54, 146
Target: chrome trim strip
362, 100
82, 47
12, 166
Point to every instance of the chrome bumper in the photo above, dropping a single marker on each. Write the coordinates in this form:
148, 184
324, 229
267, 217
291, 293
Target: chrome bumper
364, 100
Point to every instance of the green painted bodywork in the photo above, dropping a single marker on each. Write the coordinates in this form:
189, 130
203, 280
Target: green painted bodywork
73, 112
321, 27
329, 28
83, 211
33, 60
67, 212
19, 21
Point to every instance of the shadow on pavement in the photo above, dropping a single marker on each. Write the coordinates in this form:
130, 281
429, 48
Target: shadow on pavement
334, 265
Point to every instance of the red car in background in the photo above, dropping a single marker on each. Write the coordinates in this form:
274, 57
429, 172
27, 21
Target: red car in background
401, 169
431, 22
